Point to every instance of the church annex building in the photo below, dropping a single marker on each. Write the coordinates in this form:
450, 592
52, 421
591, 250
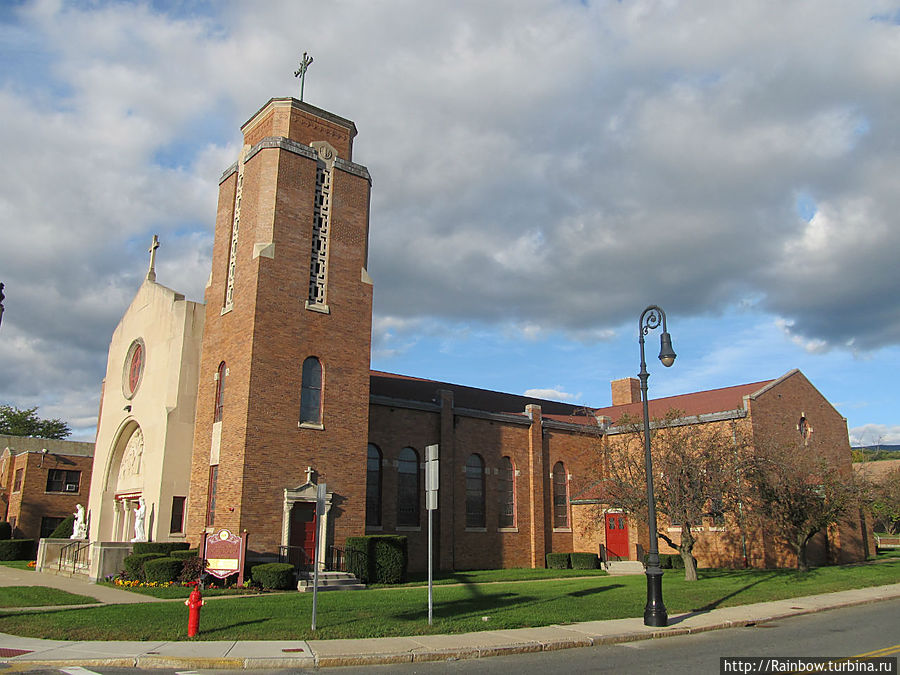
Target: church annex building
230, 412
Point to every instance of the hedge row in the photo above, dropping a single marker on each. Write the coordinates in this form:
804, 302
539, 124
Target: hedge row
575, 561
64, 529
162, 570
275, 576
17, 549
163, 547
378, 559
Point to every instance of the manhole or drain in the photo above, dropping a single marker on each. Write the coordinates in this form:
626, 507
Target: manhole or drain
294, 649
5, 651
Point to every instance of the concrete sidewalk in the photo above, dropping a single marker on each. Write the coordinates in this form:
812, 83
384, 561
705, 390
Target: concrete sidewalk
32, 652
10, 576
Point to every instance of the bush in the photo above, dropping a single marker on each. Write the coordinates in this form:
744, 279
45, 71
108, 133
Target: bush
5, 530
379, 559
17, 549
357, 550
162, 570
163, 547
185, 553
64, 529
134, 564
276, 576
557, 561
584, 561
191, 568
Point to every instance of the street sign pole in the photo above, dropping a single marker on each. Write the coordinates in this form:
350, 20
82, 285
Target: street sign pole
320, 512
431, 502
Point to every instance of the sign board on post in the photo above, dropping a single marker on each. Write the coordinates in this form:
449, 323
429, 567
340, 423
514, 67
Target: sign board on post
224, 553
432, 477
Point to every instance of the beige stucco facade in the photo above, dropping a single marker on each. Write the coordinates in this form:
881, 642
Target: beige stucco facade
146, 420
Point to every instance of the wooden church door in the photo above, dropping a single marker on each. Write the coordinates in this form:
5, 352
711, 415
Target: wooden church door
302, 539
617, 536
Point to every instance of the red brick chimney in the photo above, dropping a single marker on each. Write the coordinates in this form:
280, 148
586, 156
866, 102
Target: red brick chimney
625, 391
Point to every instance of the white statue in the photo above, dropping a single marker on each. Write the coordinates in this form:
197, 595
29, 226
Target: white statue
79, 529
139, 533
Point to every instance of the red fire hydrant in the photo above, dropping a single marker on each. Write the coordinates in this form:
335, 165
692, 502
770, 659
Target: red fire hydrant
194, 603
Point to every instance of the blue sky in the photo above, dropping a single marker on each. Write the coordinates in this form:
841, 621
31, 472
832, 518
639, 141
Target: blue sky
542, 171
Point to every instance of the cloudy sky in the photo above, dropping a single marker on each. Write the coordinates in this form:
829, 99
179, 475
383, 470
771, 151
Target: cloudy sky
543, 170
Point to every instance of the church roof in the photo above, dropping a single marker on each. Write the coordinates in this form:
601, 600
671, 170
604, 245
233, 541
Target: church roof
403, 387
406, 388
695, 403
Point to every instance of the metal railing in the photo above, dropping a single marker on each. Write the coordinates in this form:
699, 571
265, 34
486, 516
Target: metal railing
73, 555
335, 559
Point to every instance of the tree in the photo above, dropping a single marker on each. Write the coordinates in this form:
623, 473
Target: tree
885, 502
25, 422
695, 476
799, 493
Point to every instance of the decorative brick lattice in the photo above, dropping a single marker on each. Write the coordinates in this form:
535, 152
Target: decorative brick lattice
318, 266
235, 226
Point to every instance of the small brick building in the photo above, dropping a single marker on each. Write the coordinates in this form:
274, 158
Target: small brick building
284, 399
41, 482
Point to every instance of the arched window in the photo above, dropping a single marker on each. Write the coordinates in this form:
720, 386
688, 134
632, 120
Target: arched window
373, 487
560, 496
220, 392
311, 392
475, 491
507, 492
408, 488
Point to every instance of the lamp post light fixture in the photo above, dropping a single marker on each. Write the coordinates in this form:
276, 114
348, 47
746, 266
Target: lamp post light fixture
655, 611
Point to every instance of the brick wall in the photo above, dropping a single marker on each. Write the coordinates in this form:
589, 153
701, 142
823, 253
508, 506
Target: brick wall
33, 502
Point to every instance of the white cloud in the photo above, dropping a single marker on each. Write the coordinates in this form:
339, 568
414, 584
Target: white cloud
541, 165
553, 394
875, 434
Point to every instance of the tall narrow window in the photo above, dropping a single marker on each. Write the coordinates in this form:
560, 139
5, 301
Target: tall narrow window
17, 481
373, 487
475, 491
318, 264
311, 392
220, 392
408, 488
176, 525
228, 304
211, 495
560, 496
507, 493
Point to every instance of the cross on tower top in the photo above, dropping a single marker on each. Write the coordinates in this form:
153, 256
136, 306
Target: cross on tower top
301, 71
151, 273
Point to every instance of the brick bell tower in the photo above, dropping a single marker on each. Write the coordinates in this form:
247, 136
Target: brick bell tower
283, 397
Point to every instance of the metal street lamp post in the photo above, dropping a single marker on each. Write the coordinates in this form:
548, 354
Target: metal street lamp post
655, 611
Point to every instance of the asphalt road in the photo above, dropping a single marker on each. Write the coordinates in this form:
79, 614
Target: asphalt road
836, 633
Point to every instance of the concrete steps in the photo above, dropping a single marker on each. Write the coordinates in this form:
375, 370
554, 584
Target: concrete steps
330, 581
623, 567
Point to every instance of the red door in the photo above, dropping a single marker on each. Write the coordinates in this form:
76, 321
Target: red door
302, 534
616, 536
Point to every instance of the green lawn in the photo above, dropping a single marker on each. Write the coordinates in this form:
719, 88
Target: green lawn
170, 592
18, 564
395, 612
488, 576
39, 596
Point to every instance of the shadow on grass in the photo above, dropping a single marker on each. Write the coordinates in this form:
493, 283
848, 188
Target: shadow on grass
218, 629
592, 591
708, 607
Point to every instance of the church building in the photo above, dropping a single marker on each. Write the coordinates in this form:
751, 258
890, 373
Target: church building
230, 413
